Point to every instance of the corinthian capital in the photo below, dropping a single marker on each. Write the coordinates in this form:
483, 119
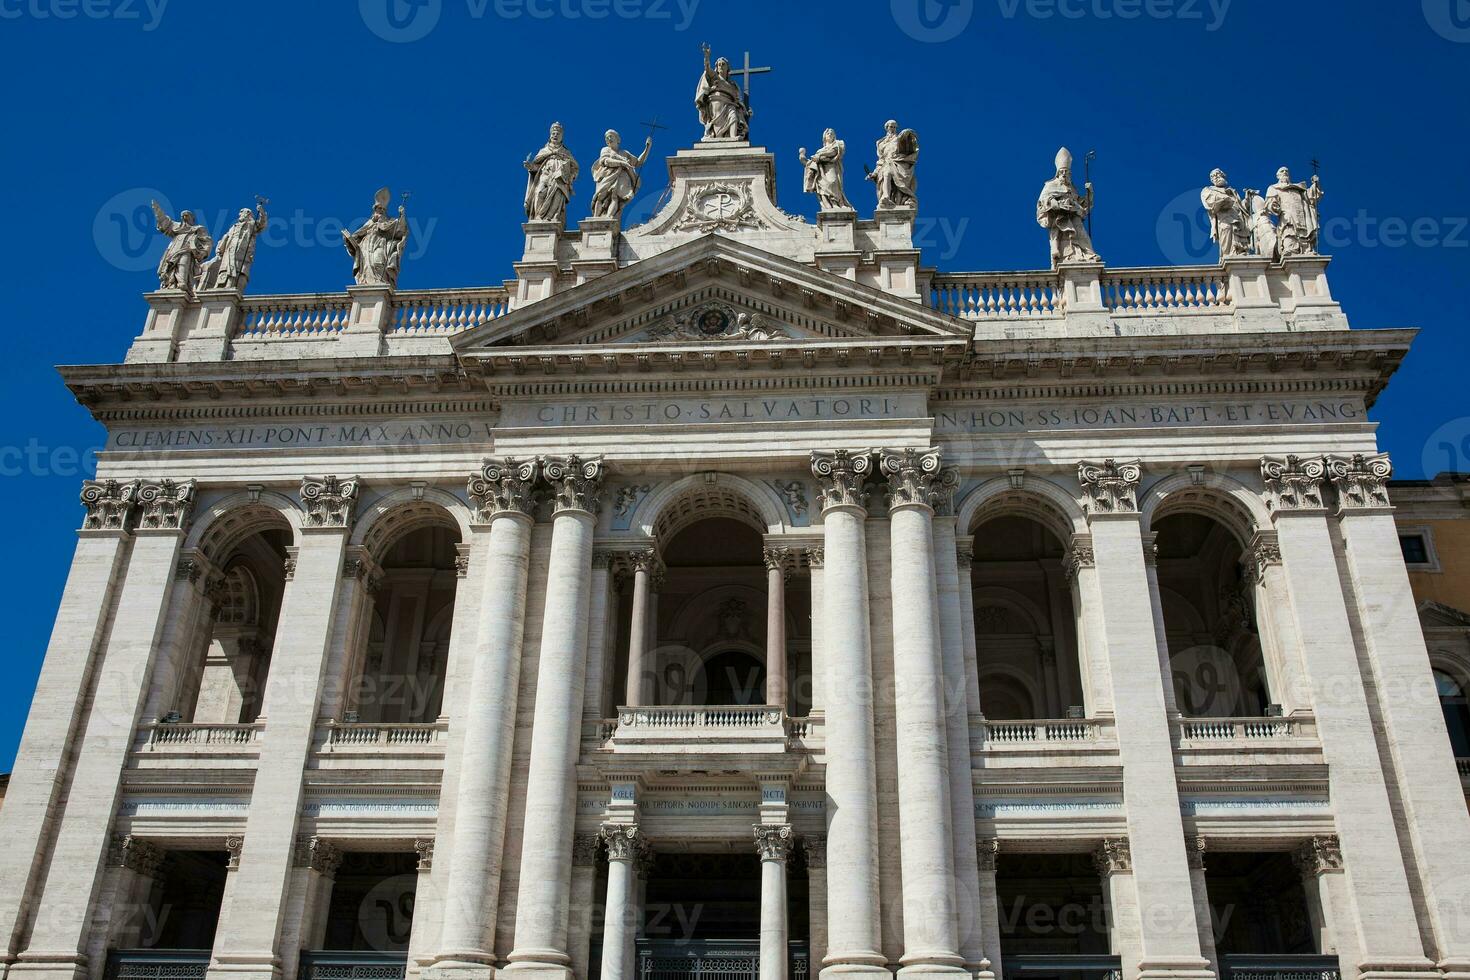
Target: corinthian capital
773, 841
109, 504
1111, 487
1113, 856
625, 842
1293, 483
1318, 856
840, 477
504, 486
913, 476
576, 483
1361, 480
165, 505
329, 500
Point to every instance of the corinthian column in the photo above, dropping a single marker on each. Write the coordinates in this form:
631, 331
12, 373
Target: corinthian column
546, 846
625, 848
930, 926
853, 934
773, 844
778, 567
503, 492
640, 627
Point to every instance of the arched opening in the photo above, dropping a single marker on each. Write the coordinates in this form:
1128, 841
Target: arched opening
1456, 708
1025, 626
402, 660
1208, 608
225, 678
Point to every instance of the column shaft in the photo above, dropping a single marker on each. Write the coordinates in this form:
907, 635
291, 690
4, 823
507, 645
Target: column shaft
774, 932
637, 686
775, 630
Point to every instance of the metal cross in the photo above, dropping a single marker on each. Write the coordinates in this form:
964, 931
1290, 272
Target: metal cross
653, 126
745, 74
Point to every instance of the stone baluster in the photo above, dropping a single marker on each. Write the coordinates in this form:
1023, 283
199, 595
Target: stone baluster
546, 845
159, 514
773, 844
641, 628
930, 924
503, 495
853, 932
778, 570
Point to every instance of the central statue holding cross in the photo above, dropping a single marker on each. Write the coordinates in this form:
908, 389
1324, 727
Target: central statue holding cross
722, 108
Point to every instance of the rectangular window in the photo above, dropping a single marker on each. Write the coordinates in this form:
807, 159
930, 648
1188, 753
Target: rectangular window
1415, 549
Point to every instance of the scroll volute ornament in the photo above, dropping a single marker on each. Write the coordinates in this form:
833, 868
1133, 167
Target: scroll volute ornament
1293, 482
329, 500
913, 476
165, 505
504, 486
1361, 480
1111, 487
576, 483
840, 477
108, 504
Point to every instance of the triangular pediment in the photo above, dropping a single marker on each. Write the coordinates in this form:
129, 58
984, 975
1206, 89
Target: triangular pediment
713, 291
1437, 615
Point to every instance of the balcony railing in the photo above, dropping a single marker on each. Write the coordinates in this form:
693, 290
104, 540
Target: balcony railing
351, 965
156, 964
1284, 967
1063, 967
364, 735
179, 735
711, 959
760, 728
1043, 730
1243, 729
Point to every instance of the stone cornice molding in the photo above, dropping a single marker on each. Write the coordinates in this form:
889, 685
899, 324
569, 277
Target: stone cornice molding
912, 475
109, 504
841, 476
1293, 483
773, 841
1113, 856
1318, 856
329, 501
504, 486
1111, 487
575, 481
1361, 481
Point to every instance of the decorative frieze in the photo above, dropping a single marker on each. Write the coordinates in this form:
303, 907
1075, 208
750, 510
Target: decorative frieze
1111, 487
1320, 855
109, 504
319, 855
424, 848
773, 841
912, 474
504, 486
840, 477
1293, 483
1361, 480
329, 500
165, 505
987, 849
576, 482
1113, 856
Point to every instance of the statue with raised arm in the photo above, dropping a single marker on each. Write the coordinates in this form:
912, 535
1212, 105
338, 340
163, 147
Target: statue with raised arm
722, 108
1263, 233
898, 154
616, 176
1063, 213
230, 267
1295, 208
1229, 220
550, 174
823, 173
188, 246
377, 247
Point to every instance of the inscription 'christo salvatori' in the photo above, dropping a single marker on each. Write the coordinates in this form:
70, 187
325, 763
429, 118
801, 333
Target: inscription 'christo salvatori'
1149, 416
735, 410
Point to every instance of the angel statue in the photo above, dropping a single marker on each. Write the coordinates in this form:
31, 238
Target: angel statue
550, 173
616, 176
188, 246
230, 267
377, 247
722, 108
823, 176
1063, 213
1295, 209
894, 171
1229, 219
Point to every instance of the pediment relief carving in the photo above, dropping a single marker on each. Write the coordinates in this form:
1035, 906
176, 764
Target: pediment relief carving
716, 321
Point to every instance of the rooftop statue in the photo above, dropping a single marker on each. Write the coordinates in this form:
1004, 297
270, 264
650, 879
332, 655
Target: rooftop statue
1229, 219
188, 246
1295, 208
823, 176
722, 109
898, 153
377, 247
1063, 213
1264, 241
550, 174
230, 267
616, 175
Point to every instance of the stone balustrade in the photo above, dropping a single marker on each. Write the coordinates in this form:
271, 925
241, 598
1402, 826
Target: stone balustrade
998, 295
1185, 289
1028, 732
174, 736
1243, 729
363, 735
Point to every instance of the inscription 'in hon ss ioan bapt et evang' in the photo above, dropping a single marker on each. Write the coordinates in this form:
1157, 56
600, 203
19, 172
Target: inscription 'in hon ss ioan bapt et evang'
1029, 418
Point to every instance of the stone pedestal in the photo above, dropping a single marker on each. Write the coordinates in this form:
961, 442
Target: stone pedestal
597, 252
169, 314
1250, 293
371, 317
214, 323
837, 250
536, 272
895, 254
1081, 295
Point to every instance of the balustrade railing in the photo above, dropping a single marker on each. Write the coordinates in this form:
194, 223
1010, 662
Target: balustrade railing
180, 734
439, 312
709, 959
1053, 730
1279, 967
1063, 966
156, 964
998, 296
1169, 290
363, 734
1238, 729
1463, 765
352, 965
306, 316
680, 717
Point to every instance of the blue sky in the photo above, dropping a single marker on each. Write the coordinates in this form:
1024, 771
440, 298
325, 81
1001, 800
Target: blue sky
317, 104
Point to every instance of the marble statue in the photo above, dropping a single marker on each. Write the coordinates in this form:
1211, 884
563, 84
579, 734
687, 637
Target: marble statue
1295, 208
722, 108
1263, 233
230, 267
823, 174
894, 172
377, 247
1063, 213
1229, 220
616, 176
550, 174
188, 246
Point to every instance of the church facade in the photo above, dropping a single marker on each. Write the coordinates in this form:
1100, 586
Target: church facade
735, 595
